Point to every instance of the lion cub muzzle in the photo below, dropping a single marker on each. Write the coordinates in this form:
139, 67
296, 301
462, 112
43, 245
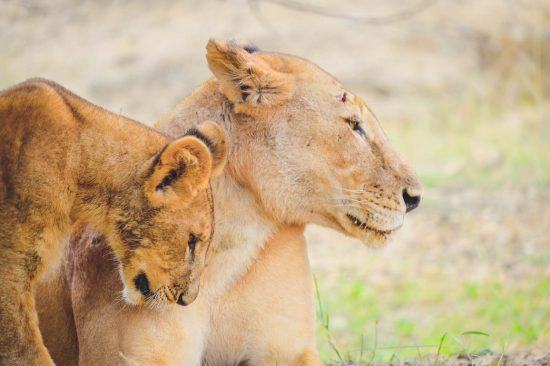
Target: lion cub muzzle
169, 295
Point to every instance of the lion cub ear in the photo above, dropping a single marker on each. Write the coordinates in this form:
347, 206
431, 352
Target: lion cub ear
245, 78
214, 138
179, 172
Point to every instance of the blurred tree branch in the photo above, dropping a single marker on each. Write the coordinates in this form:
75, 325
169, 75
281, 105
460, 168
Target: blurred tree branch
331, 13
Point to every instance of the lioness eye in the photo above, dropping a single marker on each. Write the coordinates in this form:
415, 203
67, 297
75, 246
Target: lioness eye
355, 125
192, 242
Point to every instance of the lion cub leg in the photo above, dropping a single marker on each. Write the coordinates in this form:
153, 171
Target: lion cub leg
20, 339
26, 250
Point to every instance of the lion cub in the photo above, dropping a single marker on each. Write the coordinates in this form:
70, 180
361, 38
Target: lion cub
63, 160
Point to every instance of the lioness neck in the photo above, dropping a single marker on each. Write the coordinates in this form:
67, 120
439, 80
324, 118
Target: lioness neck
242, 226
241, 230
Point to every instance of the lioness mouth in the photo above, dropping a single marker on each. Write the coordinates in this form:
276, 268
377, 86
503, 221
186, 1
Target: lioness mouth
363, 226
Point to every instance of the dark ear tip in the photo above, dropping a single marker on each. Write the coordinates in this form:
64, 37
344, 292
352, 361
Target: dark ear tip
202, 137
234, 44
251, 48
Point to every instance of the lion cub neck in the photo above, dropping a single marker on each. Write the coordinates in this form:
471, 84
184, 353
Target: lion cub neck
114, 154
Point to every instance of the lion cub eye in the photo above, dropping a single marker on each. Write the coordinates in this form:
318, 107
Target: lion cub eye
192, 242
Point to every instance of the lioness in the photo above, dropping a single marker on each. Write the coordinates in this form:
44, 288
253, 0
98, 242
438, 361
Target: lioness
302, 149
64, 160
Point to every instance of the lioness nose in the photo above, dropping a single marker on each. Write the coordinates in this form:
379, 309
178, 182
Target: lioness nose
411, 202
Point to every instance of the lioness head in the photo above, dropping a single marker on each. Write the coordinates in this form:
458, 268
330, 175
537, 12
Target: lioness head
314, 151
163, 226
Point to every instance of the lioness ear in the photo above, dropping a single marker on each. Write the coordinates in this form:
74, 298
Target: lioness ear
244, 77
214, 138
178, 172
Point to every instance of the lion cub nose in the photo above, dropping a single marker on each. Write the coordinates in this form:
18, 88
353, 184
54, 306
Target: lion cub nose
411, 201
181, 301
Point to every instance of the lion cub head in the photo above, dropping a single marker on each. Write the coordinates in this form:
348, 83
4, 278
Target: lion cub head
163, 225
315, 152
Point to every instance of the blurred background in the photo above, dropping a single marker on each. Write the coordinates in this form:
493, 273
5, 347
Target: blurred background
462, 88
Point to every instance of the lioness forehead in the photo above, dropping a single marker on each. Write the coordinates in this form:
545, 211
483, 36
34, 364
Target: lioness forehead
297, 66
313, 76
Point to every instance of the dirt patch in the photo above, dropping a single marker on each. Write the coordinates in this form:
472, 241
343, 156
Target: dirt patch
488, 359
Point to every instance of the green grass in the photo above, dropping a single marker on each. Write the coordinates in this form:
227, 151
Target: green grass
410, 319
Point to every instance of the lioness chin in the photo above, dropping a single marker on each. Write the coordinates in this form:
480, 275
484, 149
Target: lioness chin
63, 161
302, 149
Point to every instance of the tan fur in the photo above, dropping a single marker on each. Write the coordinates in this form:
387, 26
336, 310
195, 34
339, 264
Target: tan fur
294, 159
64, 160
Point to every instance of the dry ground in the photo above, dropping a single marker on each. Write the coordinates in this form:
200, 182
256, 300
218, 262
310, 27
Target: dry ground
462, 90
